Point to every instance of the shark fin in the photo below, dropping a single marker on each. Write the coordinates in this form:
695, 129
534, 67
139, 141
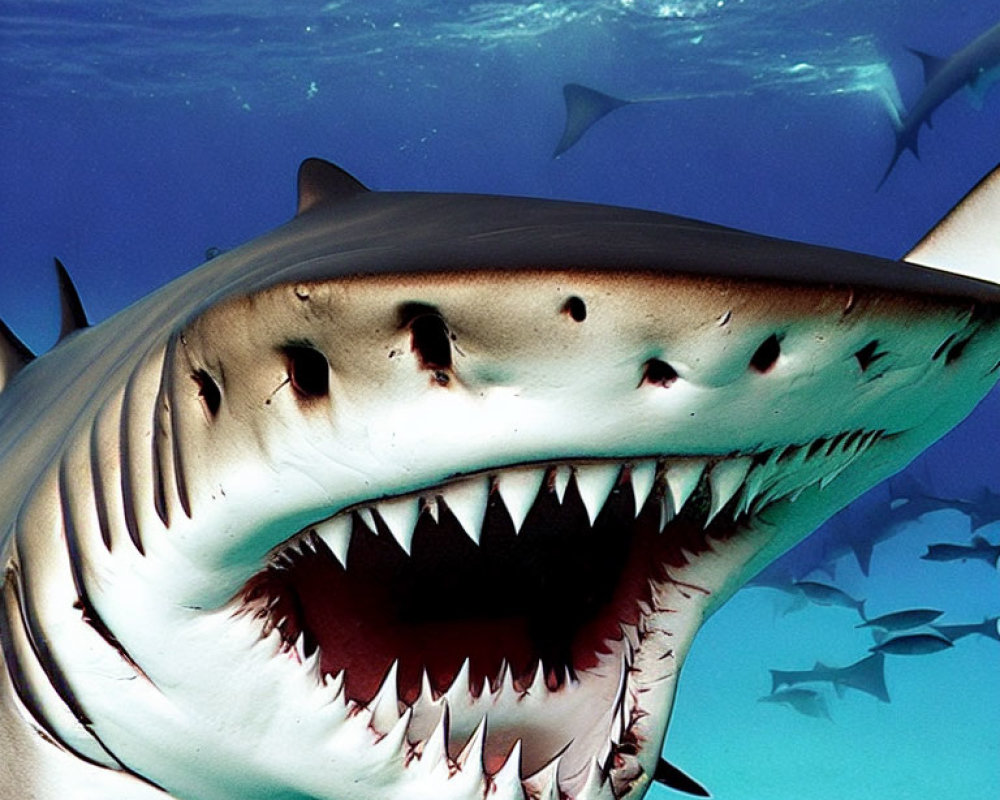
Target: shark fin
73, 316
584, 106
932, 64
866, 675
320, 182
675, 778
906, 139
967, 240
863, 555
14, 355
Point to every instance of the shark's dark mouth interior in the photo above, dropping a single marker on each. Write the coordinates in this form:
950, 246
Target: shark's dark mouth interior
453, 607
552, 593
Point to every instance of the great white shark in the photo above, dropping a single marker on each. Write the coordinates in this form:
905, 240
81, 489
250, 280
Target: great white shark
426, 495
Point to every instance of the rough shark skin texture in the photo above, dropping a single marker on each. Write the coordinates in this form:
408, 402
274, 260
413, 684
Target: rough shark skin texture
425, 496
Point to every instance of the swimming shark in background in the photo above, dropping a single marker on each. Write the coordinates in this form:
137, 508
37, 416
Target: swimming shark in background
989, 628
975, 67
981, 549
866, 675
808, 702
426, 495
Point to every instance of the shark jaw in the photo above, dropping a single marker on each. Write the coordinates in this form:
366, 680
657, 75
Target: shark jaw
524, 625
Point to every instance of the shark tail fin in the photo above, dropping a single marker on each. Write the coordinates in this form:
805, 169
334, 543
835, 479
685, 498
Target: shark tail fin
967, 240
867, 675
584, 106
906, 139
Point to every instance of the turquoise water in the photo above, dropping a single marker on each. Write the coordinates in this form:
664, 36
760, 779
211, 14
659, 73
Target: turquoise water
133, 136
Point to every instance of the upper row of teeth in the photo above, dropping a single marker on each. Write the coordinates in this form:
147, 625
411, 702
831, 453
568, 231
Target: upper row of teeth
785, 472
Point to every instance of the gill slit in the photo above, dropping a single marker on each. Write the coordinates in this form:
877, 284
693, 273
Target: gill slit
167, 406
45, 658
71, 538
125, 458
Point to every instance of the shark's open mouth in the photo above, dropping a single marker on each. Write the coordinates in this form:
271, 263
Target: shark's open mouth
503, 612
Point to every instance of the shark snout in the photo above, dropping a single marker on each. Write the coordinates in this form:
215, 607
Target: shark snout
352, 388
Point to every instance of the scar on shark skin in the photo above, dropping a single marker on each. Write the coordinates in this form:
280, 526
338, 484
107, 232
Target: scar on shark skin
427, 495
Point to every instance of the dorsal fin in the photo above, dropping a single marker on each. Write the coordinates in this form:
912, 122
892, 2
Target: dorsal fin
584, 106
932, 64
967, 240
71, 309
670, 775
322, 182
14, 354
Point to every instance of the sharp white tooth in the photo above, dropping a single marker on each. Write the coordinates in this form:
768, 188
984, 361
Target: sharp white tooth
300, 647
365, 515
666, 512
725, 480
471, 756
431, 507
467, 780
394, 742
509, 686
400, 517
754, 483
458, 693
829, 477
619, 724
776, 454
537, 688
594, 482
334, 683
544, 784
435, 749
504, 677
643, 475
506, 782
467, 501
518, 488
385, 705
311, 664
682, 479
426, 692
560, 480
336, 534
630, 633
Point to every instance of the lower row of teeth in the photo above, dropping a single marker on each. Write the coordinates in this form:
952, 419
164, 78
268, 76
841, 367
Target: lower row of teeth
417, 735
758, 480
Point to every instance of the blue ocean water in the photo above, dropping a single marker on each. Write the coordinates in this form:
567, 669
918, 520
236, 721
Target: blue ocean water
135, 135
